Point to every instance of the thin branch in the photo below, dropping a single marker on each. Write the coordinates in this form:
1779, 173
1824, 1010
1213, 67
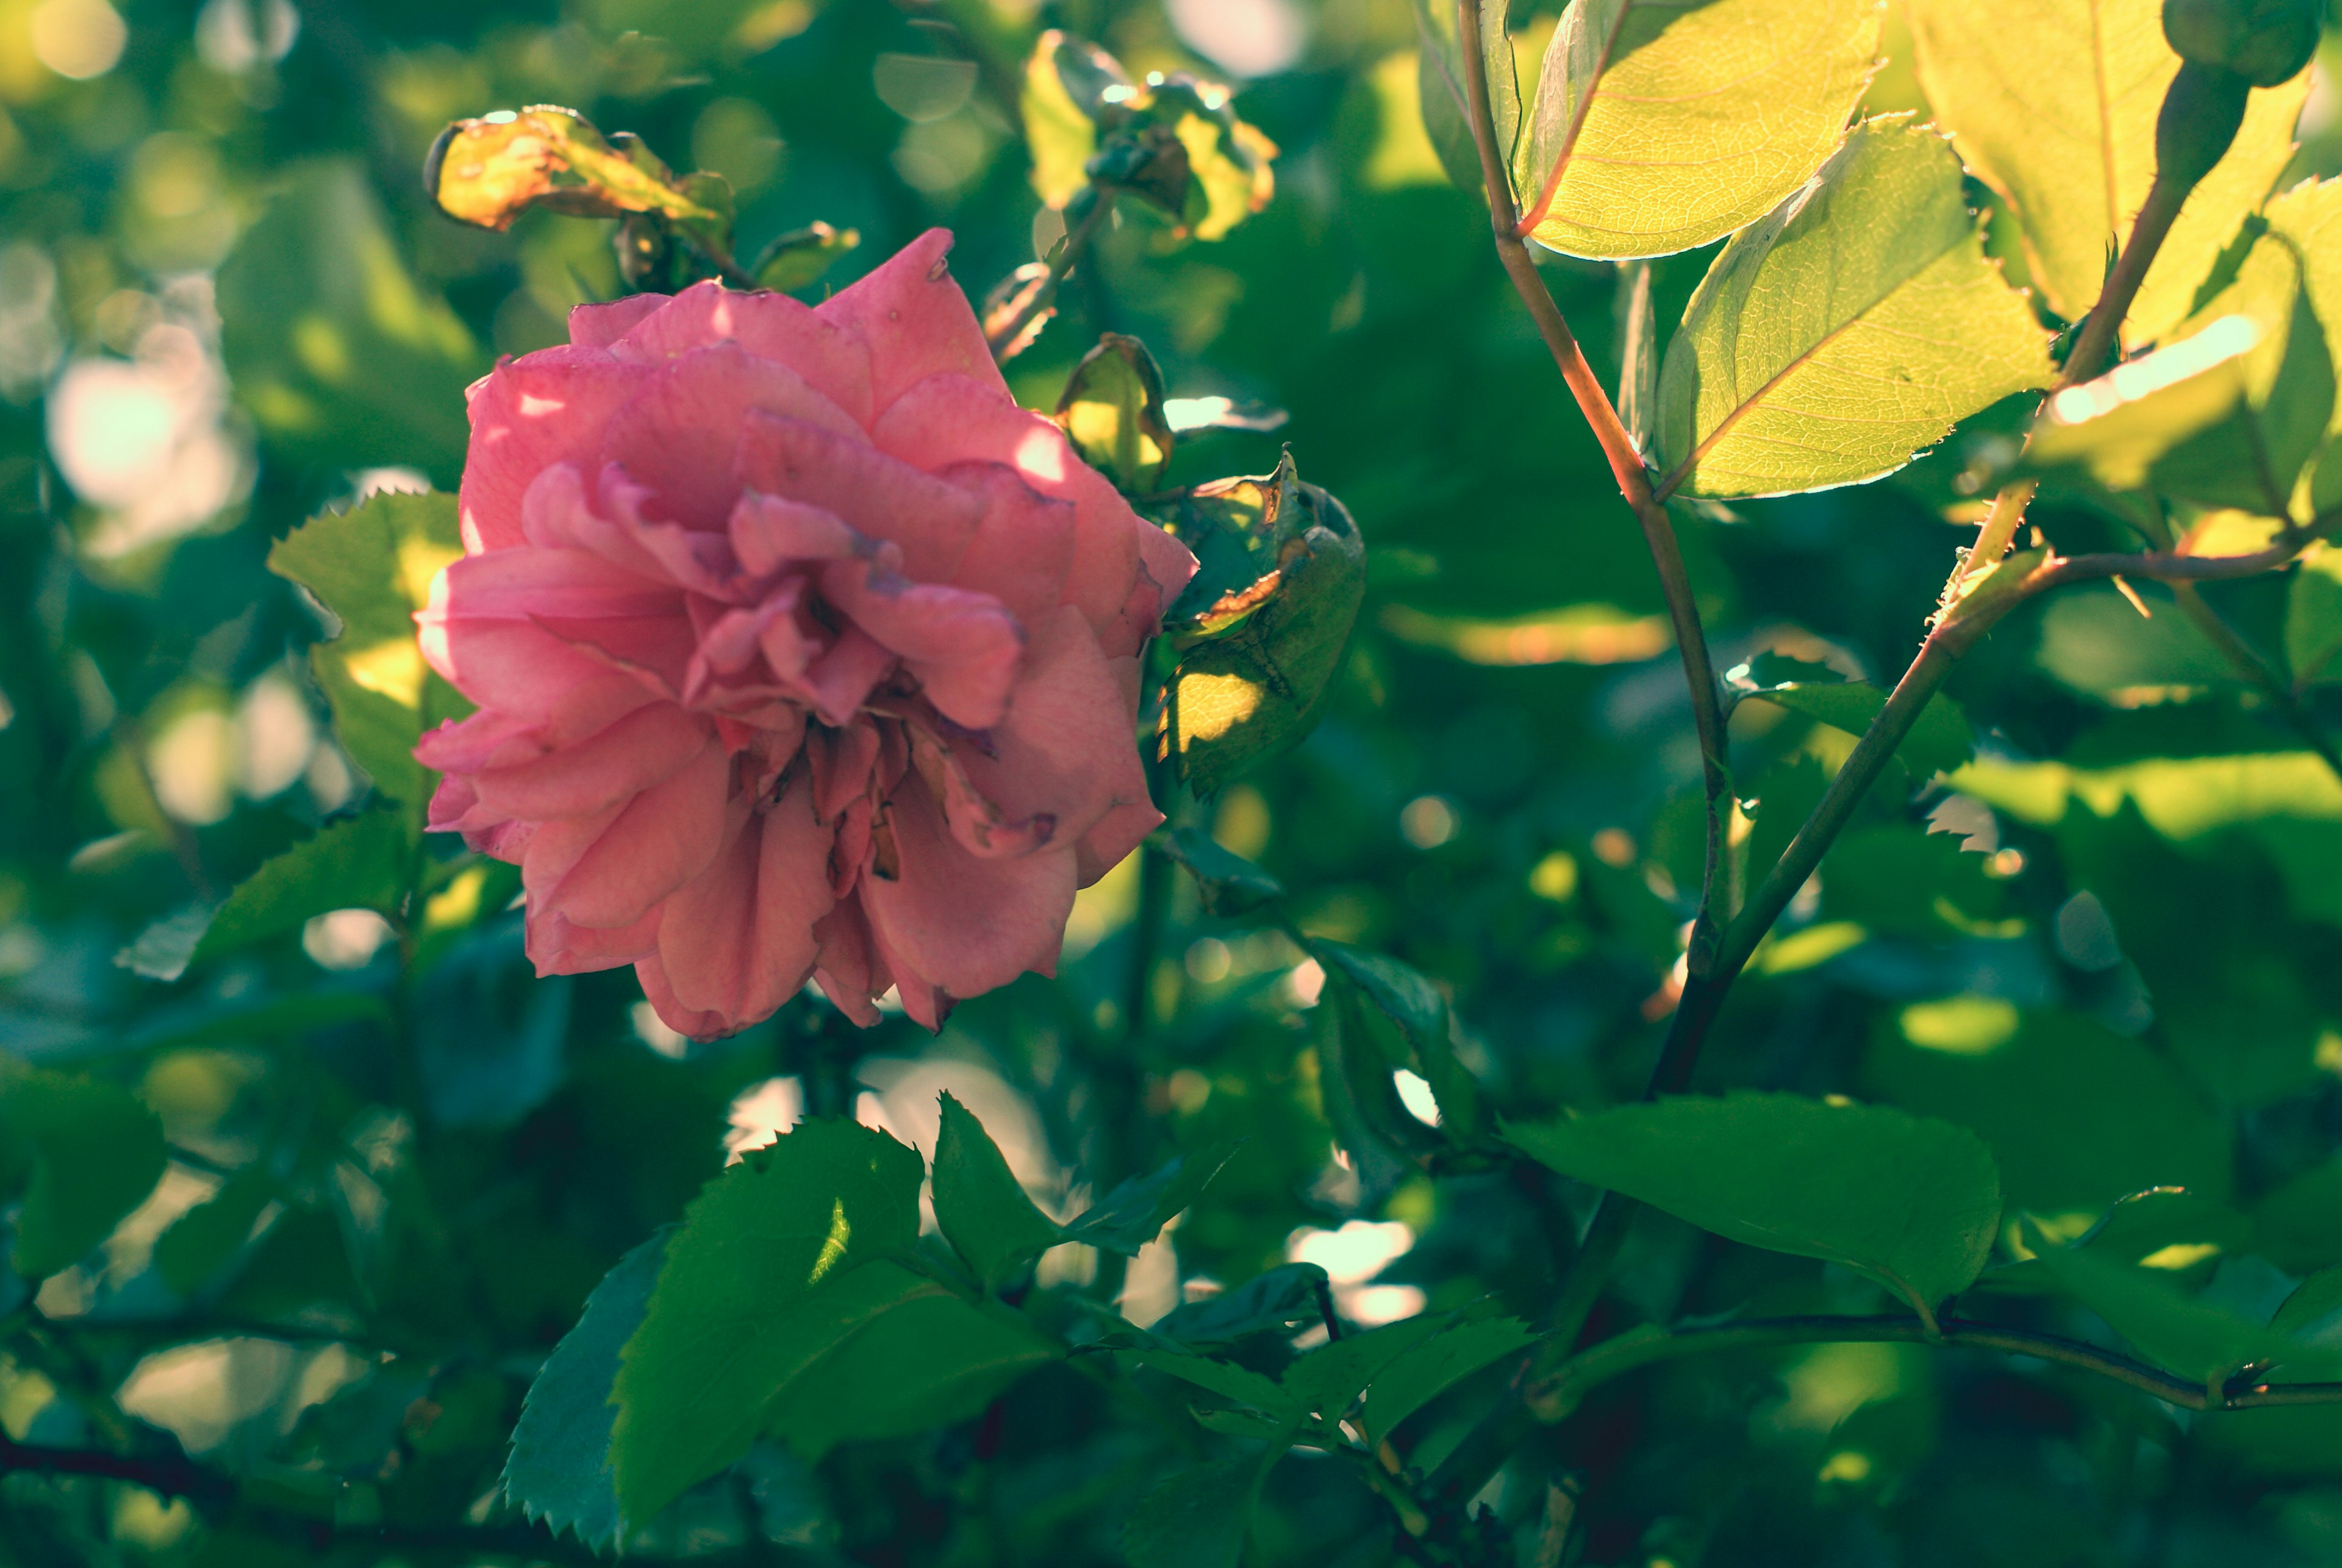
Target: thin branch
1626, 465
1569, 1382
2247, 660
998, 338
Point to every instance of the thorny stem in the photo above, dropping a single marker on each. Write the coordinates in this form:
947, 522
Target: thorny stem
1625, 467
998, 338
2100, 334
1716, 963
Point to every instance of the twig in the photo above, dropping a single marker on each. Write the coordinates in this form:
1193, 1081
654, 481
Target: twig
1626, 468
1077, 239
1571, 1381
2247, 659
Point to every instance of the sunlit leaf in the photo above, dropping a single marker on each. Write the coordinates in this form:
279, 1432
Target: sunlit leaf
772, 1268
797, 259
2180, 1235
341, 356
1658, 127
2227, 416
979, 1204
79, 1153
1278, 611
372, 566
1112, 411
489, 171
1939, 742
2053, 103
2313, 618
559, 1469
1911, 1202
1063, 97
1850, 328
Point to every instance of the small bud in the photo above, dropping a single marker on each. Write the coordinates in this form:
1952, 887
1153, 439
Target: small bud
2265, 42
2200, 120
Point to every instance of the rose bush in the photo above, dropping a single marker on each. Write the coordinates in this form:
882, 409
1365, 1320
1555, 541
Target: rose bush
799, 650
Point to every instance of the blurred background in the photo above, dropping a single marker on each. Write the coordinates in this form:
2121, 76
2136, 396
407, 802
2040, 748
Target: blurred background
225, 304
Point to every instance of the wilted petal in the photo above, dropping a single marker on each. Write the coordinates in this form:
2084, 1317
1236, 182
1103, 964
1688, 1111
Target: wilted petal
738, 942
963, 647
963, 924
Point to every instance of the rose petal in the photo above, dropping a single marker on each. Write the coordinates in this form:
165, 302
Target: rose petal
932, 522
655, 844
960, 922
738, 942
770, 532
835, 359
917, 322
1068, 748
850, 972
540, 409
640, 750
1025, 545
963, 647
600, 325
844, 676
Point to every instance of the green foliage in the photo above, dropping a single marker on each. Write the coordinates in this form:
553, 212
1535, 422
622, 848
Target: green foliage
1654, 130
984, 1213
1853, 327
1941, 742
1909, 1201
78, 1154
1112, 411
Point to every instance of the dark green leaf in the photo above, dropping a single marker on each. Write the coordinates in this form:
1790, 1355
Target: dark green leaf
1276, 1300
926, 1362
1198, 1518
1329, 1378
1940, 742
1135, 1212
559, 1471
771, 1269
1422, 1372
86, 1154
1912, 1203
211, 1233
979, 1204
1227, 882
1419, 1009
1238, 1384
361, 863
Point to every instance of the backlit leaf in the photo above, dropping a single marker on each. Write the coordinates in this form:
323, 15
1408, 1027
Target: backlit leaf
1112, 411
1852, 327
491, 170
2053, 103
1656, 127
1062, 98
797, 259
1911, 1202
1941, 740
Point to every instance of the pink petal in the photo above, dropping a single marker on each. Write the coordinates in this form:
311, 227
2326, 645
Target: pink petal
981, 828
738, 942
676, 435
557, 513
530, 413
655, 648
693, 1026
850, 973
842, 678
842, 761
600, 325
1025, 545
835, 360
558, 946
962, 923
915, 318
962, 647
591, 775
1117, 833
1068, 748
925, 1005
659, 842
769, 532
951, 419
931, 521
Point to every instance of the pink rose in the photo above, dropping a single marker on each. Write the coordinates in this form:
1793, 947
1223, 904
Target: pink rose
799, 649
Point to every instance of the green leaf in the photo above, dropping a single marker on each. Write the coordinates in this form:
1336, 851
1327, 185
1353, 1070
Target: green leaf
1274, 1300
979, 1204
488, 171
1430, 1369
1910, 1202
2229, 415
359, 863
2313, 1313
2198, 1339
2309, 218
1240, 1385
199, 1241
1852, 327
1062, 95
341, 356
559, 1469
1439, 91
772, 1268
798, 259
2313, 618
1198, 1518
372, 568
1226, 883
1135, 1212
1941, 741
1112, 411
926, 1362
1255, 688
1656, 127
2053, 103
2182, 1235
1420, 1010
2298, 1227
1330, 1378
82, 1155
